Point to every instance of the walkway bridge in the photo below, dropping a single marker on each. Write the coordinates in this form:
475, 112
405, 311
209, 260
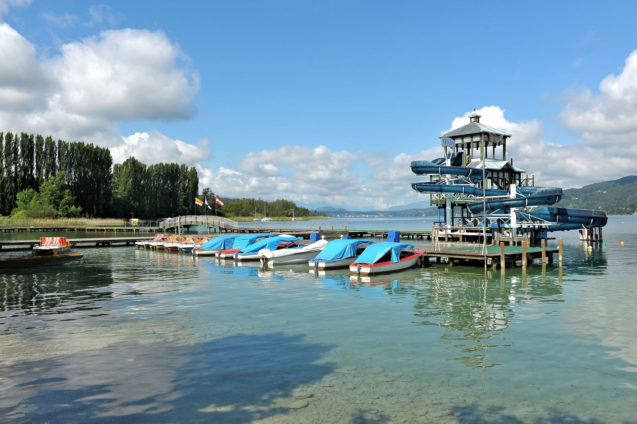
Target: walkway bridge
183, 223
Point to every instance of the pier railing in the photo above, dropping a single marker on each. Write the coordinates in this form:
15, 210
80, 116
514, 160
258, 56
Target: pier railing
209, 221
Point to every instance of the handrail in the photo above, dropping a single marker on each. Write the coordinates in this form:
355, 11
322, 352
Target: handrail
207, 220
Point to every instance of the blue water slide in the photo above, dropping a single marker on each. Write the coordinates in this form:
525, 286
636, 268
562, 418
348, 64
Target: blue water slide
567, 217
438, 187
525, 196
542, 196
421, 167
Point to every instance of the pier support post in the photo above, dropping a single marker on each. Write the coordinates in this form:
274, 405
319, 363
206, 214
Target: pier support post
559, 252
524, 255
502, 256
543, 244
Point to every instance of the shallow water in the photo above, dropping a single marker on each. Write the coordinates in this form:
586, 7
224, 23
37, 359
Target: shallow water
141, 336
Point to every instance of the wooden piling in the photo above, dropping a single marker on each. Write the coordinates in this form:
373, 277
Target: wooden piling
543, 244
523, 255
502, 256
559, 252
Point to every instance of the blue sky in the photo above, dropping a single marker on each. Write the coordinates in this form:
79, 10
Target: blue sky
325, 103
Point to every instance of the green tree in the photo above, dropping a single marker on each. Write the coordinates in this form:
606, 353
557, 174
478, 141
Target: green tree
53, 200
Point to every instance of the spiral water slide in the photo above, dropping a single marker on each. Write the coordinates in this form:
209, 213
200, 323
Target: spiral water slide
556, 219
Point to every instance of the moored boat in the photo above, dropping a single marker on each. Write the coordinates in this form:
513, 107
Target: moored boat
241, 242
51, 246
386, 257
188, 244
215, 245
291, 254
251, 252
33, 261
339, 253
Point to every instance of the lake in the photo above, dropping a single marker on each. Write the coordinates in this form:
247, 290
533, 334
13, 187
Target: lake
142, 336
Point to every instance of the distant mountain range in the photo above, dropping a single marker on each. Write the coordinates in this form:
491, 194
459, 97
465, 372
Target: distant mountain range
405, 210
617, 197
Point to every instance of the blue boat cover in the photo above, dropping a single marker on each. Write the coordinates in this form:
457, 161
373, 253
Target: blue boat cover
221, 242
376, 251
267, 243
314, 237
247, 239
393, 236
339, 249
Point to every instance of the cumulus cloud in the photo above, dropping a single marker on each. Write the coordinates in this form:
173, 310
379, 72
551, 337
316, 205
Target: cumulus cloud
319, 175
85, 90
552, 163
155, 147
125, 75
608, 119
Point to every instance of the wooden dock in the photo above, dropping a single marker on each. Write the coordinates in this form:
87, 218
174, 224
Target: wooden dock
495, 256
70, 229
9, 245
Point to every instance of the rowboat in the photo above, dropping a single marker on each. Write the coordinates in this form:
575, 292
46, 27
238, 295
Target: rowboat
386, 257
291, 254
33, 261
339, 253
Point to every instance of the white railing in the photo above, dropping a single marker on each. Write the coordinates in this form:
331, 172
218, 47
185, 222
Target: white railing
203, 220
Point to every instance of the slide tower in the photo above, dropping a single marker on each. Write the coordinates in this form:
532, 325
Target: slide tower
474, 185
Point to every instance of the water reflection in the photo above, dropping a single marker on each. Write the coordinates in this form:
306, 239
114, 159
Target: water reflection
55, 290
217, 381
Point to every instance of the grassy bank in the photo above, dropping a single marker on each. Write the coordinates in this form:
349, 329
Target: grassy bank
6, 221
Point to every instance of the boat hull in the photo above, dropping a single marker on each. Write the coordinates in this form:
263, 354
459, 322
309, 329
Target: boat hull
384, 267
204, 252
246, 257
292, 258
35, 261
334, 264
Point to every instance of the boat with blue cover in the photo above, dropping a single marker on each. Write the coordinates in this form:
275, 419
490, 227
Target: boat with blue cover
296, 254
386, 256
339, 253
251, 251
240, 243
217, 244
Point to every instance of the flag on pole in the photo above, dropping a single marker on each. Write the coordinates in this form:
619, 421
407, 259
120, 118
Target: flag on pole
198, 202
207, 204
218, 201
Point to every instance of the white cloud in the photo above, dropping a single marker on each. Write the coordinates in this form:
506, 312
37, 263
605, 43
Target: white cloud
84, 91
155, 147
125, 75
319, 175
554, 164
608, 119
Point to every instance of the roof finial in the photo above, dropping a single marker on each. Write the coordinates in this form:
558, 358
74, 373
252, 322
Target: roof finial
474, 117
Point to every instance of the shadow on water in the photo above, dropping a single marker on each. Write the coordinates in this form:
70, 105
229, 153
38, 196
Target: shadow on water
475, 414
239, 378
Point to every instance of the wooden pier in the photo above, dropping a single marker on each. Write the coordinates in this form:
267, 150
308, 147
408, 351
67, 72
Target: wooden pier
9, 245
71, 229
495, 256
